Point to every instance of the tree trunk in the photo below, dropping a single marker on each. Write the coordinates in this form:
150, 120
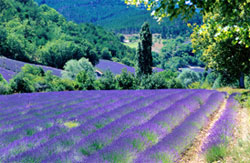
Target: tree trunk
242, 83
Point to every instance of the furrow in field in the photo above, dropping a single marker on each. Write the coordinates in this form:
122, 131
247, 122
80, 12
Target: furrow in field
219, 131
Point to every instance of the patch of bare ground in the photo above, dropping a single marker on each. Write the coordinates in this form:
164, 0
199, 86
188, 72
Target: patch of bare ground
157, 46
194, 154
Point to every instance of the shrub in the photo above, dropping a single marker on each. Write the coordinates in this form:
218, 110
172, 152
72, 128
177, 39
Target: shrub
126, 80
73, 67
154, 81
188, 77
85, 81
4, 87
107, 81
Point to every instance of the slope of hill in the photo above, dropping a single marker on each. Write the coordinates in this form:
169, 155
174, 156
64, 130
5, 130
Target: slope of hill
39, 34
117, 16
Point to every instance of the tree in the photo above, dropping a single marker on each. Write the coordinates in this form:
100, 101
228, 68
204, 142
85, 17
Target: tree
107, 81
144, 52
73, 67
188, 77
126, 80
188, 8
222, 50
85, 81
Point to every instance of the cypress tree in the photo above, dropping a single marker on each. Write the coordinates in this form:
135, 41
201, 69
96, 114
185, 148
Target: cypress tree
144, 52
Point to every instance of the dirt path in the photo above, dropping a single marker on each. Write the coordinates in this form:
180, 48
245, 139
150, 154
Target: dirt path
192, 155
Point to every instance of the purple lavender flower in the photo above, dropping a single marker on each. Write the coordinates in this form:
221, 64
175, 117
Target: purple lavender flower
222, 130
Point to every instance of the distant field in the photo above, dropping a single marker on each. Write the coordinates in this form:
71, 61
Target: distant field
109, 126
116, 68
132, 44
12, 67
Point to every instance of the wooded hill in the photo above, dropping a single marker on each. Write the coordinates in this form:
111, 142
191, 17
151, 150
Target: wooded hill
116, 16
39, 34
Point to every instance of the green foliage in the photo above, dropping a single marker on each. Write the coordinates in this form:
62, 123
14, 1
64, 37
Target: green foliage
126, 80
195, 85
154, 81
177, 53
188, 77
28, 80
116, 16
216, 153
4, 87
39, 34
223, 47
107, 81
33, 79
144, 53
57, 53
244, 99
85, 81
172, 9
62, 85
73, 67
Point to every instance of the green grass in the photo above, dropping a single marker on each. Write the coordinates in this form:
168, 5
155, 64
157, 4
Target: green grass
230, 90
241, 152
95, 146
163, 157
150, 136
138, 144
132, 44
216, 153
118, 157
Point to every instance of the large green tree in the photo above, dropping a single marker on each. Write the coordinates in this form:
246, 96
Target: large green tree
144, 52
223, 48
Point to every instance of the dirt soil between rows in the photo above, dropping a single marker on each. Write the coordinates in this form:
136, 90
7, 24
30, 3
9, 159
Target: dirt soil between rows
193, 154
241, 132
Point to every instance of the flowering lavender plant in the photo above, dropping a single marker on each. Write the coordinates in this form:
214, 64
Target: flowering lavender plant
99, 126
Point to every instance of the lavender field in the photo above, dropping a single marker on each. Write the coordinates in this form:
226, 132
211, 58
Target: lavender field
107, 126
9, 67
116, 68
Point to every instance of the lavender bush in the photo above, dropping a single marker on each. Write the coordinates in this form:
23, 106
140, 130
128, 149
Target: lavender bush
222, 132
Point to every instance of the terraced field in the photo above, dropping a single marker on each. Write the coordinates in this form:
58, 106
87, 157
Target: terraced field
110, 126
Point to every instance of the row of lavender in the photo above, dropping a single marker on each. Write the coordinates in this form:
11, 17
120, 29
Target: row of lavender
222, 131
111, 126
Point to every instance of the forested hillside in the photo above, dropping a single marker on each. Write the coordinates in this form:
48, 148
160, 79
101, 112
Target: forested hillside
117, 16
39, 34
